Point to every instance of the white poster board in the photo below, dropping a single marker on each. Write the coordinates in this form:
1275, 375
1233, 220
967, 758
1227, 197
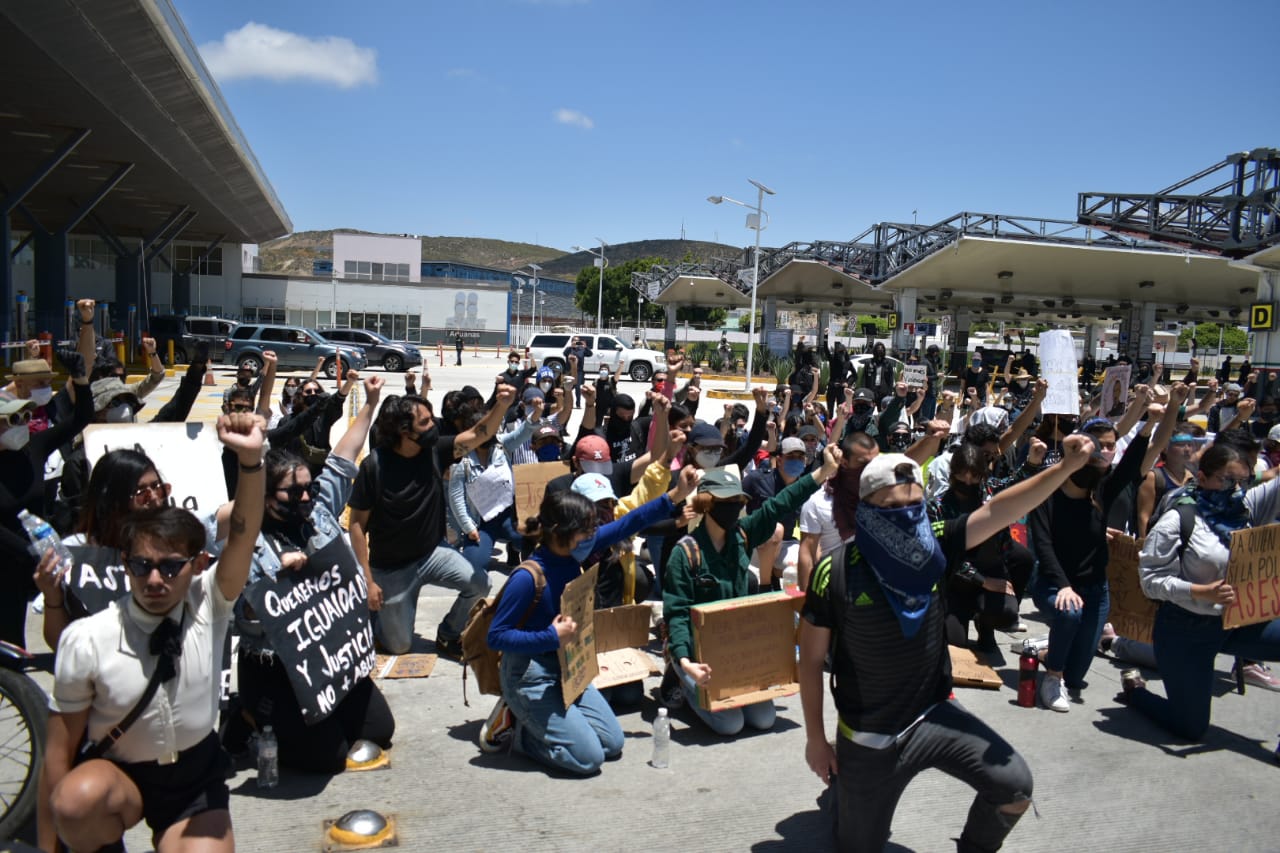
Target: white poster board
188, 456
1058, 367
915, 375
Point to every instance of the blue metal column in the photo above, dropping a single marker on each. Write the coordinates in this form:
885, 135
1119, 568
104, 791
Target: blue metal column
52, 274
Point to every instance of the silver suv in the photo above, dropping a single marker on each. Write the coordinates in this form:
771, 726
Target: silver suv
547, 349
296, 348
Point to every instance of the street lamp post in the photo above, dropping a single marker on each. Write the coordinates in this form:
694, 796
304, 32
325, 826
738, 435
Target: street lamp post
757, 222
533, 299
639, 312
515, 342
600, 262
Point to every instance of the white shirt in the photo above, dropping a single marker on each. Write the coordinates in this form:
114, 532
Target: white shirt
104, 663
816, 517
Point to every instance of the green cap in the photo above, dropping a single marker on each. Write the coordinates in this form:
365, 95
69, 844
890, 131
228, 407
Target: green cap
720, 483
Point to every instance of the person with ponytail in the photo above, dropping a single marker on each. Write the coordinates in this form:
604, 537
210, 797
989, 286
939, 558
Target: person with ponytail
1189, 581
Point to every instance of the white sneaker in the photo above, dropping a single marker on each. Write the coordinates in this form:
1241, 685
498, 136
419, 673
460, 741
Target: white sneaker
1052, 694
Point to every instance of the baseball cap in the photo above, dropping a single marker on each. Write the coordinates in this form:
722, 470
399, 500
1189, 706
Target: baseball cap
591, 448
1274, 434
594, 487
1231, 388
532, 393
106, 391
13, 405
720, 483
864, 395
809, 432
705, 435
791, 445
888, 469
30, 368
546, 431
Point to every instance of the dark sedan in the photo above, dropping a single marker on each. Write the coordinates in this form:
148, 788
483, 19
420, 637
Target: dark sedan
394, 356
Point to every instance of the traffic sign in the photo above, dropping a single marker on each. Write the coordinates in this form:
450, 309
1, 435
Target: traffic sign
1262, 317
909, 328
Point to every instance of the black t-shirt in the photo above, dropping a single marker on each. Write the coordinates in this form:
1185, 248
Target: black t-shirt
883, 680
761, 485
405, 499
979, 379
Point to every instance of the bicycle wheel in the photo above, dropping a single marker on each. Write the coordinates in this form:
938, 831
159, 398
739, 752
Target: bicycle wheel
23, 715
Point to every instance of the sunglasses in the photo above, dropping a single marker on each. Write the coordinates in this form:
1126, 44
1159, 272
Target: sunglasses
20, 418
159, 488
311, 392
169, 567
296, 492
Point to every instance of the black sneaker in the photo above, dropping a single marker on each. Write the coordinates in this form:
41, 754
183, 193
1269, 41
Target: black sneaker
670, 691
451, 649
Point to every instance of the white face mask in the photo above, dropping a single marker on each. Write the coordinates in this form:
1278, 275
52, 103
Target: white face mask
15, 438
706, 458
290, 390
546, 387
596, 467
120, 413
41, 396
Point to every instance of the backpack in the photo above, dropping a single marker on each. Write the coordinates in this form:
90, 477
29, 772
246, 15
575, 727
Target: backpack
476, 653
693, 554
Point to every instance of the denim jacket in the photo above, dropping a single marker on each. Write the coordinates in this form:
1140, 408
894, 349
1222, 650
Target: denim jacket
463, 516
332, 489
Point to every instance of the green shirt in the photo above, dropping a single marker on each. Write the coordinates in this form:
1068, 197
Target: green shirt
729, 568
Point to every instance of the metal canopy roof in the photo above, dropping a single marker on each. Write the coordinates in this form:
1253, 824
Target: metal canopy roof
812, 285
127, 71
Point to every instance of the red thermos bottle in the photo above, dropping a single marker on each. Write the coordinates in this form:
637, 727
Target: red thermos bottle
1028, 663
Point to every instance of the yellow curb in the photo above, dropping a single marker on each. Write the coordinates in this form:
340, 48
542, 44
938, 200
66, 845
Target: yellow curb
728, 395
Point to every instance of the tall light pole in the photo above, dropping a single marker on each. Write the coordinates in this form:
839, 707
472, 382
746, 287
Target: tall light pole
757, 221
639, 311
533, 304
600, 262
515, 341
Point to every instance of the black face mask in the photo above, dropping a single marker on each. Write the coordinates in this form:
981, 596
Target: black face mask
1088, 477
427, 440
725, 513
294, 513
965, 495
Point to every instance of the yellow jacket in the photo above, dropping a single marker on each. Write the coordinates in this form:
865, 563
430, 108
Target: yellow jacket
655, 482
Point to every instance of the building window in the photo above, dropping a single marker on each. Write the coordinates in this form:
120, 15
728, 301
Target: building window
185, 259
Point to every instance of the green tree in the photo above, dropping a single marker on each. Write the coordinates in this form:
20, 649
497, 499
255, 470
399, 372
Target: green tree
744, 322
620, 297
1235, 341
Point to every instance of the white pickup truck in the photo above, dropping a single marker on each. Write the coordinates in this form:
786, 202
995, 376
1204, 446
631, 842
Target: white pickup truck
547, 349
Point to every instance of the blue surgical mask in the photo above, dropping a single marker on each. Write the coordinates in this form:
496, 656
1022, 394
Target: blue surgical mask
548, 453
793, 468
583, 549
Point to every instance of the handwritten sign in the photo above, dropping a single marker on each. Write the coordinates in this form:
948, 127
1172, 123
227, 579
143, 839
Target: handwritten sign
1254, 572
404, 666
1058, 367
187, 456
1115, 391
915, 375
317, 619
621, 632
750, 645
968, 671
578, 664
531, 485
97, 577
1133, 615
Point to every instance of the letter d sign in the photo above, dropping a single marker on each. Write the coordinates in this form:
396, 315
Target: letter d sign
1262, 317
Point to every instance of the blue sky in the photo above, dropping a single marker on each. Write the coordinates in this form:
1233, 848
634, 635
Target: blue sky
563, 121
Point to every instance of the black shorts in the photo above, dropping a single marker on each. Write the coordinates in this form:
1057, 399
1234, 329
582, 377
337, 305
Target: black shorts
194, 784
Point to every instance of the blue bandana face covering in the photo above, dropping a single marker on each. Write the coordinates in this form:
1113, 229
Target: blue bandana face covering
904, 555
1224, 511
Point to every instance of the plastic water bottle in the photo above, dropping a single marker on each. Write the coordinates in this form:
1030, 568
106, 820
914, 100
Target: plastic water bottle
268, 759
44, 538
661, 740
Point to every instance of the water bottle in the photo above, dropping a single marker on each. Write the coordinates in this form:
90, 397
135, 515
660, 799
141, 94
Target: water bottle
661, 740
1028, 663
44, 538
268, 759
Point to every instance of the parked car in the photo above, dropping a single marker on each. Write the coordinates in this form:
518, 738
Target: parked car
296, 348
186, 332
548, 348
394, 356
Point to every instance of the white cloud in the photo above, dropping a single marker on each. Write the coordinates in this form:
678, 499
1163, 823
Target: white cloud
257, 50
573, 118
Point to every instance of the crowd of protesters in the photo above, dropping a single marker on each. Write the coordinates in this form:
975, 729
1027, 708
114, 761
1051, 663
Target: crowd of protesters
905, 513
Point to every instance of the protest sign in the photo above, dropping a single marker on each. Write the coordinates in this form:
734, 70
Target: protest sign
404, 666
621, 632
317, 620
187, 456
1115, 391
1058, 367
97, 577
1133, 615
1254, 573
915, 375
750, 645
968, 671
578, 664
531, 484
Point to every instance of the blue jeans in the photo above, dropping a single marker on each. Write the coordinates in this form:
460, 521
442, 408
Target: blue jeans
579, 738
1073, 634
393, 624
500, 528
1186, 645
730, 721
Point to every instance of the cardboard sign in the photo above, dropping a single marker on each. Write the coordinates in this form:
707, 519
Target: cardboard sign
1254, 571
404, 666
750, 645
531, 484
1133, 615
1115, 391
621, 632
317, 619
97, 576
968, 671
915, 375
1058, 367
578, 666
187, 456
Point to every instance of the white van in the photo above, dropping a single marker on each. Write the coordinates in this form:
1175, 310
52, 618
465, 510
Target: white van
547, 349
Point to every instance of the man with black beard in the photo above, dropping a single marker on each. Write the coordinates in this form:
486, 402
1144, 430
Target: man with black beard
397, 523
